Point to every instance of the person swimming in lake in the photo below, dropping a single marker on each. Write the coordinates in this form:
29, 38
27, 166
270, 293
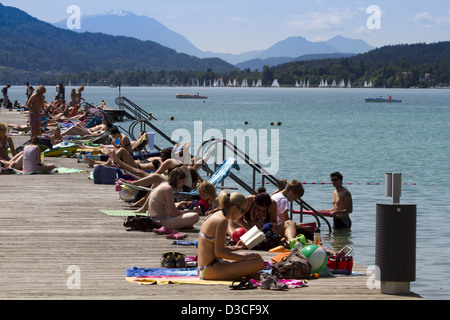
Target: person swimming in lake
216, 261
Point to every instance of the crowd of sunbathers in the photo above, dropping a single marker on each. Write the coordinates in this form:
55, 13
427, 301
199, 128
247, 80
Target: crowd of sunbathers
55, 120
164, 175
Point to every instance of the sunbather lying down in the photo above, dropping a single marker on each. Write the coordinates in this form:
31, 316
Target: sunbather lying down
19, 127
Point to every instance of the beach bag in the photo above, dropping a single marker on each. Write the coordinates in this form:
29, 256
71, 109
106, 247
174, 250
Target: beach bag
141, 223
293, 266
342, 262
104, 175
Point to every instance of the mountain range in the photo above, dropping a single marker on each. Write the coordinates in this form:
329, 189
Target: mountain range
124, 23
28, 44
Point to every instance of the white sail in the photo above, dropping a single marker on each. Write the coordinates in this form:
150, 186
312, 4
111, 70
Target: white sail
275, 83
259, 83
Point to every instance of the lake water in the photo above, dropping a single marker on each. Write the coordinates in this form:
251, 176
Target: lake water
326, 130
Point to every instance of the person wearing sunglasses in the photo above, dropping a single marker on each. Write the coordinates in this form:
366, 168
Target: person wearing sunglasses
216, 261
342, 203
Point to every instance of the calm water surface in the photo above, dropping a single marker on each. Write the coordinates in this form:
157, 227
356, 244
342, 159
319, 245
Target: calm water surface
327, 130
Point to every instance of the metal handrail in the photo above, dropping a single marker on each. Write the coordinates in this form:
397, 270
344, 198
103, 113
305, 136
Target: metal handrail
256, 169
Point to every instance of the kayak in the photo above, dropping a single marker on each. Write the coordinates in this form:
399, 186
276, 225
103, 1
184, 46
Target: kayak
381, 100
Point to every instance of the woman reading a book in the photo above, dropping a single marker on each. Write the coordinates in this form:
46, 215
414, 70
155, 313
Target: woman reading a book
217, 261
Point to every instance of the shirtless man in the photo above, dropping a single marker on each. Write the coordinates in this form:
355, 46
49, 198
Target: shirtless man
36, 104
342, 203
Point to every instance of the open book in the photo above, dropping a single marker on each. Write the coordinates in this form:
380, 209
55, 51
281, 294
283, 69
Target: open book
253, 237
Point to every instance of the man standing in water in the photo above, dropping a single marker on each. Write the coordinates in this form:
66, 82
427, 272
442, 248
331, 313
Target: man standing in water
36, 106
342, 204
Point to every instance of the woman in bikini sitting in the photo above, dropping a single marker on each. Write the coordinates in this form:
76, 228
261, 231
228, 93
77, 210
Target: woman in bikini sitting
217, 261
162, 203
5, 143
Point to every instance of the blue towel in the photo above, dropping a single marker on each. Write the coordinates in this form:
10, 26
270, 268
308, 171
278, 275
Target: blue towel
139, 272
185, 243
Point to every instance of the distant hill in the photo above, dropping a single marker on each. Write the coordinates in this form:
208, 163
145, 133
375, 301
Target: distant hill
124, 23
398, 66
258, 64
28, 44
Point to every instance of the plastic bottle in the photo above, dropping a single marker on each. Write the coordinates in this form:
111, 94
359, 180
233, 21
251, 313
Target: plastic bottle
317, 238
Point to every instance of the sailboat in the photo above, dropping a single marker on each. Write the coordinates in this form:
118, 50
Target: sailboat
259, 83
275, 83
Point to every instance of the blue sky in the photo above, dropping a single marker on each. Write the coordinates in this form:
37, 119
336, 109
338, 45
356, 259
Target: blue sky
236, 26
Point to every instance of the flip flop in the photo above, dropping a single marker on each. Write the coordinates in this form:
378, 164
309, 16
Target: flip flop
176, 236
163, 230
243, 284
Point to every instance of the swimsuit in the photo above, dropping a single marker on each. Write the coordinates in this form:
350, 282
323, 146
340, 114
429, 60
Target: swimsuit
342, 223
29, 159
7, 144
202, 270
164, 205
35, 118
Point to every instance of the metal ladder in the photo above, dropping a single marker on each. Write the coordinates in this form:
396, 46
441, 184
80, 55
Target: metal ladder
257, 170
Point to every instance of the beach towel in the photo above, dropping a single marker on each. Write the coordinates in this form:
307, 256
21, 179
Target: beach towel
162, 276
118, 213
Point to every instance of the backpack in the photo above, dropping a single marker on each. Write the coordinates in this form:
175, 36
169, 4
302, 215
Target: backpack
140, 223
294, 266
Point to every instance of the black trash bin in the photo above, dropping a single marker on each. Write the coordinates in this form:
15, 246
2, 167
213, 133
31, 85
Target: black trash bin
395, 254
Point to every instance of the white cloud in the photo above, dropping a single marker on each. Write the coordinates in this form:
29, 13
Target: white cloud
320, 21
425, 19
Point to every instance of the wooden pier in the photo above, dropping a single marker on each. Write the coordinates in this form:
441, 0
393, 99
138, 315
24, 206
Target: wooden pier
51, 227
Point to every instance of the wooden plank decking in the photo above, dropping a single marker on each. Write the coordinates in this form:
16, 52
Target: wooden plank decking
49, 223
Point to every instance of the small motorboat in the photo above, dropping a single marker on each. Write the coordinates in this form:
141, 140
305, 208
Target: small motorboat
190, 96
382, 100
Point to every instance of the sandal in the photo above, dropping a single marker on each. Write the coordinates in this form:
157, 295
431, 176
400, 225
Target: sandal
163, 230
243, 284
176, 235
269, 282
